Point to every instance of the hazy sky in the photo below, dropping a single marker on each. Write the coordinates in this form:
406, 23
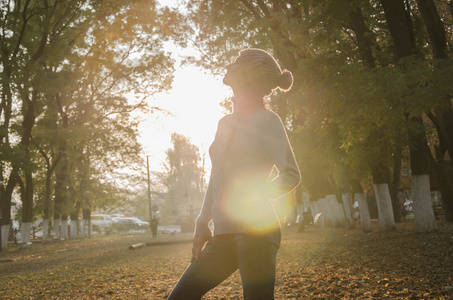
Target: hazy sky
194, 106
193, 103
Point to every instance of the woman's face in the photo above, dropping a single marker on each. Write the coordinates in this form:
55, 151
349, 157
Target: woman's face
235, 76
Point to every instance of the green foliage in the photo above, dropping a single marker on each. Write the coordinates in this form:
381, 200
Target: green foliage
352, 98
83, 67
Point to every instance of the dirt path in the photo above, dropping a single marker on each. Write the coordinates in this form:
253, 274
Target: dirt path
317, 264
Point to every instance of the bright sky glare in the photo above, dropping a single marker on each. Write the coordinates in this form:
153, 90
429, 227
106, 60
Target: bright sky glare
193, 103
195, 111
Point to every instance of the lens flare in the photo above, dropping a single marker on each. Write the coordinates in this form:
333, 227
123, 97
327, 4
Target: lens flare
246, 202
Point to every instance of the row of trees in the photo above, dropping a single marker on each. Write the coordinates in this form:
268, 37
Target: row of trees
71, 74
372, 95
372, 92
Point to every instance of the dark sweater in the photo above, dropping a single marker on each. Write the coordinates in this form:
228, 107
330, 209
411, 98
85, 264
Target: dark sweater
247, 151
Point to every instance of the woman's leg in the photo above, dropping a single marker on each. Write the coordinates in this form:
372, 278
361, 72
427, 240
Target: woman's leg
217, 261
257, 255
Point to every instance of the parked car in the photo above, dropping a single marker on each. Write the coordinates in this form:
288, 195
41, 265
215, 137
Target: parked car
126, 224
116, 216
101, 222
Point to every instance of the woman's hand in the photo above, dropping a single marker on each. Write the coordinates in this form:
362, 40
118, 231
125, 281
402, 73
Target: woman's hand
198, 244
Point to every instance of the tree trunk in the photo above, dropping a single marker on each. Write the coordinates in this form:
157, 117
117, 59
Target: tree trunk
423, 210
45, 228
383, 198
27, 208
434, 27
64, 229
27, 193
384, 204
444, 115
47, 195
421, 189
46, 205
74, 222
60, 211
5, 233
441, 168
56, 227
359, 195
348, 209
364, 211
314, 208
25, 231
85, 222
396, 185
73, 228
364, 35
6, 218
443, 120
84, 230
400, 27
326, 218
336, 211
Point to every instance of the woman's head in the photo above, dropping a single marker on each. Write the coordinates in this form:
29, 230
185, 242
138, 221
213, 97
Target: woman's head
261, 72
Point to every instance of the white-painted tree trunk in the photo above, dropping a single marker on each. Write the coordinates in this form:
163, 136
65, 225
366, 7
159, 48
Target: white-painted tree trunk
325, 213
300, 208
425, 220
5, 233
384, 205
335, 210
314, 208
64, 234
56, 228
365, 218
348, 210
84, 229
25, 231
45, 228
73, 229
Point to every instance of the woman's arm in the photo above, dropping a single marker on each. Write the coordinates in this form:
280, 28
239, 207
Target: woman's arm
202, 227
277, 143
202, 233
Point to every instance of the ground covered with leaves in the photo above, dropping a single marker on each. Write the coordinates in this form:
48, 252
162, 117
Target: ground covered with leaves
317, 264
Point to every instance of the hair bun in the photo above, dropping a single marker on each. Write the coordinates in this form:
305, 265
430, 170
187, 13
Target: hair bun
285, 81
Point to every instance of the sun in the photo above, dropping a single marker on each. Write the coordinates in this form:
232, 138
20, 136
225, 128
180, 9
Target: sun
194, 110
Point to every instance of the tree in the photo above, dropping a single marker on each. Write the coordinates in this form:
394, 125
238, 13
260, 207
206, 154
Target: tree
400, 27
80, 65
441, 116
355, 68
183, 178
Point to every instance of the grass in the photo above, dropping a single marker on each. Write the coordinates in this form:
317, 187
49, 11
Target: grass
317, 264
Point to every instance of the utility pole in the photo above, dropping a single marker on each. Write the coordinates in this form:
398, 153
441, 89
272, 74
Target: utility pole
149, 195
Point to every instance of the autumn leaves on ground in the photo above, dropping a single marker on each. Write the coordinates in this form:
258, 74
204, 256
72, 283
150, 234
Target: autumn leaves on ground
317, 264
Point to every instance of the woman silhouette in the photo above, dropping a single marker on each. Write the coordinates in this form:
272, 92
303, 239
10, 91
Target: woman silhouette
248, 145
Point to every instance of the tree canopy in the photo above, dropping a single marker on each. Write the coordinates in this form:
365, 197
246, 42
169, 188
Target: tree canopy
72, 73
366, 89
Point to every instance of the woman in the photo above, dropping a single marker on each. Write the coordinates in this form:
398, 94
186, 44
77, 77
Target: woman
248, 144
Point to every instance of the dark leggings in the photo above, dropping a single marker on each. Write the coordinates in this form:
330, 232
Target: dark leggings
253, 254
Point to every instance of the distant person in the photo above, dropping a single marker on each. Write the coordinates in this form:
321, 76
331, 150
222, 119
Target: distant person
248, 144
154, 223
307, 219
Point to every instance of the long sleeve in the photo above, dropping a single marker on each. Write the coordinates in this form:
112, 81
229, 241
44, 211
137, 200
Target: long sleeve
216, 150
202, 225
245, 150
279, 148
